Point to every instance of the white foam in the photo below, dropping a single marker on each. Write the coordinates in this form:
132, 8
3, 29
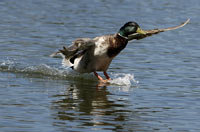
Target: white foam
7, 65
123, 79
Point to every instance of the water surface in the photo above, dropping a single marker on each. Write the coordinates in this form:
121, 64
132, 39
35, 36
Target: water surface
156, 81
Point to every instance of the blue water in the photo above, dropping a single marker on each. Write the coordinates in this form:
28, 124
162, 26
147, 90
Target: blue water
156, 80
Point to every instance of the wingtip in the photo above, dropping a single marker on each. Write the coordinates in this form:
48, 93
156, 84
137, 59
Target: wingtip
54, 54
188, 20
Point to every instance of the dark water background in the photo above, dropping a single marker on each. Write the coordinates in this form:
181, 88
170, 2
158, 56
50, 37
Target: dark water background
156, 81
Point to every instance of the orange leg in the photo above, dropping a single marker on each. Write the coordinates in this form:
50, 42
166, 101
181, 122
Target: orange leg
99, 77
106, 75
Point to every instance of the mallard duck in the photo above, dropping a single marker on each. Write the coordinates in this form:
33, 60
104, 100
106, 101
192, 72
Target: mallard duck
87, 55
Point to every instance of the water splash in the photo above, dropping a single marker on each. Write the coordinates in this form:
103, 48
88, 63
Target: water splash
123, 79
120, 79
43, 70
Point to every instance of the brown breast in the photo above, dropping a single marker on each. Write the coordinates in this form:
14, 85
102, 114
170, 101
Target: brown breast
117, 44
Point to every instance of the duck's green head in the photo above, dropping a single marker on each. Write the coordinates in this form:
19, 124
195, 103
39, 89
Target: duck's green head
130, 28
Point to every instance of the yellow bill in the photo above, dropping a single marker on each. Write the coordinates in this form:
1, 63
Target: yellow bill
140, 31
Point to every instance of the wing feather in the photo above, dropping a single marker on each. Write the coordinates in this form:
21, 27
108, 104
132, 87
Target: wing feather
77, 46
154, 31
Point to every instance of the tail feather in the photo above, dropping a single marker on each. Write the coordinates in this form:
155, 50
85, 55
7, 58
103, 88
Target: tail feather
78, 48
66, 62
66, 55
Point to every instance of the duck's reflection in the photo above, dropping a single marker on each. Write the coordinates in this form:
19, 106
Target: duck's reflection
90, 105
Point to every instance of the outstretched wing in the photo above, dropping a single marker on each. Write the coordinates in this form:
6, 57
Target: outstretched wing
77, 46
154, 31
